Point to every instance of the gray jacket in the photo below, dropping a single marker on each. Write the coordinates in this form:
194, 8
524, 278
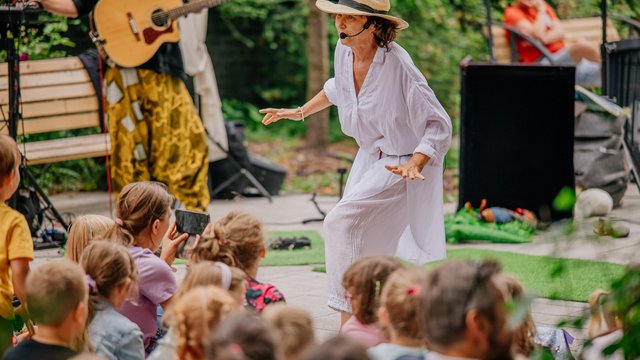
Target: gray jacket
114, 336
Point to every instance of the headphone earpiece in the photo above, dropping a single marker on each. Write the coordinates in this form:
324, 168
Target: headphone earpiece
367, 24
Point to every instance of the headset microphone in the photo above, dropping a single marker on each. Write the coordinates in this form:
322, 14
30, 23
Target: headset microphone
364, 27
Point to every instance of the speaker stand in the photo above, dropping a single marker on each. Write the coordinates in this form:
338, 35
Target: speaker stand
241, 171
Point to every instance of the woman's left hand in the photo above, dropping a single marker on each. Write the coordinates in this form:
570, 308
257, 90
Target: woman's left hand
412, 169
170, 245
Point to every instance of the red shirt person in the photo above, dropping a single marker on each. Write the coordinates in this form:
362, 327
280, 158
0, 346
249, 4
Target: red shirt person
537, 19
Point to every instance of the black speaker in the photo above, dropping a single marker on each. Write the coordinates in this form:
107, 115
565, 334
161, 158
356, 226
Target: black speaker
516, 136
269, 174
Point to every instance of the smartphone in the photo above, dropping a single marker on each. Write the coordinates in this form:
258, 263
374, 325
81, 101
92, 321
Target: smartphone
191, 222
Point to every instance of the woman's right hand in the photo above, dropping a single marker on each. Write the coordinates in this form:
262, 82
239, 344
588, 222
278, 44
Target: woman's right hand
273, 115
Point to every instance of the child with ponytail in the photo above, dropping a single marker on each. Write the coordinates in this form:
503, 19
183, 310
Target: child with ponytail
193, 317
398, 313
238, 241
142, 212
363, 281
111, 275
204, 273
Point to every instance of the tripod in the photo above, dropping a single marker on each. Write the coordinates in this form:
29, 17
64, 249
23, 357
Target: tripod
241, 171
14, 17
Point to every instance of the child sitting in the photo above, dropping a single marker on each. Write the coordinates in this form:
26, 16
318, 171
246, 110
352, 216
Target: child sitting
241, 335
217, 273
205, 273
142, 212
398, 313
292, 329
84, 229
193, 317
16, 245
56, 292
239, 241
111, 274
363, 281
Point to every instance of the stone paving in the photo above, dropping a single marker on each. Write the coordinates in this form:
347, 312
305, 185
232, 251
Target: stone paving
307, 289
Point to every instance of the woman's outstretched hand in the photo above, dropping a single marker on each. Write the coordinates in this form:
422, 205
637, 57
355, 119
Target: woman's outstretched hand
412, 169
273, 115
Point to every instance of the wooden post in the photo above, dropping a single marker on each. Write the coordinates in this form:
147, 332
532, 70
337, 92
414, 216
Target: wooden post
317, 74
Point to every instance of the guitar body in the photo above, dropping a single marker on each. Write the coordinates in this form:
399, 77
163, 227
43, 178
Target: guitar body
130, 36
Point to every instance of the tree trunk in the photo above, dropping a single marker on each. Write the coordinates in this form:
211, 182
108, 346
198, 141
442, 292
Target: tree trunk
317, 74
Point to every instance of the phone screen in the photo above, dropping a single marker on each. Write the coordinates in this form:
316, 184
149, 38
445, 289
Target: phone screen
191, 222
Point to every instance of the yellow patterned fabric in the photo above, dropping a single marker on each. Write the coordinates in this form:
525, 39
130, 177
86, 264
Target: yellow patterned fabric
156, 134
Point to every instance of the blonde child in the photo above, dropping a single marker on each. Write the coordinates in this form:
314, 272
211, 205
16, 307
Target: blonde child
605, 327
56, 292
84, 229
193, 317
239, 241
363, 282
217, 273
142, 222
205, 273
292, 329
16, 245
398, 313
111, 275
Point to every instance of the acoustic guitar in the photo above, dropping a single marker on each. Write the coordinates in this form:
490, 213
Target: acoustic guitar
129, 32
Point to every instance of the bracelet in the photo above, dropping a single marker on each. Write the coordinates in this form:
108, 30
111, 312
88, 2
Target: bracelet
301, 113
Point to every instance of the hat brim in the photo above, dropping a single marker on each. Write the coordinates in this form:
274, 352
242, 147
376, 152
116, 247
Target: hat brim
333, 8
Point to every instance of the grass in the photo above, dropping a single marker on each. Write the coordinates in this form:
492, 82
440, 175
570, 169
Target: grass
314, 255
545, 276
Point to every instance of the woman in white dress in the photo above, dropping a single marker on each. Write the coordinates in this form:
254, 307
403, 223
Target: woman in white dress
392, 202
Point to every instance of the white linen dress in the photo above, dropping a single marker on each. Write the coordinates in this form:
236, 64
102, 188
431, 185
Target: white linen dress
395, 115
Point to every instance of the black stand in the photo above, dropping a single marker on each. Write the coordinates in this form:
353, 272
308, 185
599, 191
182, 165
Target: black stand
341, 172
241, 171
14, 17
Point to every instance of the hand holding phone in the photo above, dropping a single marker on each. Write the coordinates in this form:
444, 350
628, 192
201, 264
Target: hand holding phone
193, 223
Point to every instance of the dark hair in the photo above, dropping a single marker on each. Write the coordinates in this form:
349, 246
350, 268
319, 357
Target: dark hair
337, 348
385, 31
241, 332
452, 289
364, 280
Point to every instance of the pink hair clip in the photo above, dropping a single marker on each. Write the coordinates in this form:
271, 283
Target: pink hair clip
119, 222
414, 290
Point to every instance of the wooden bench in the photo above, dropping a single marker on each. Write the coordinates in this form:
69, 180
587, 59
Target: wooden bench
589, 29
57, 94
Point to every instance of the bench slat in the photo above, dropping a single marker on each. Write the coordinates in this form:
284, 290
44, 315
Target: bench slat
51, 93
59, 107
79, 147
48, 65
48, 79
57, 123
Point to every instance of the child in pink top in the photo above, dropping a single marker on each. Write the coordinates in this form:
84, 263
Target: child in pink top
363, 281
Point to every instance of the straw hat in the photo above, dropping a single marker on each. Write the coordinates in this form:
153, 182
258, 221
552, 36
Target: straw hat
379, 8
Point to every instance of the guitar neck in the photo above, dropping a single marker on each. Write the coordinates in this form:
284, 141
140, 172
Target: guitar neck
191, 7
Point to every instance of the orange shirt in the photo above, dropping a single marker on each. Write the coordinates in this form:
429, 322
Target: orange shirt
513, 15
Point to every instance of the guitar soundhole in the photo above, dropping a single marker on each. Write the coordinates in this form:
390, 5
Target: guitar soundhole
160, 18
